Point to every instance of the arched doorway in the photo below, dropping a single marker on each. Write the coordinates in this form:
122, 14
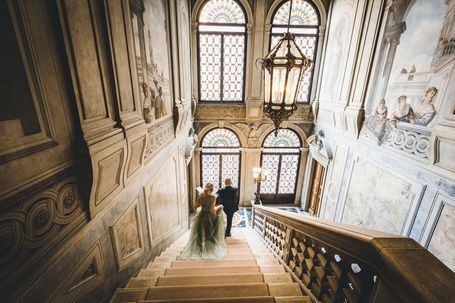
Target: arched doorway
280, 159
220, 157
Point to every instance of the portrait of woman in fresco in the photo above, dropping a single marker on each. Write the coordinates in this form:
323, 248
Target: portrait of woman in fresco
403, 112
425, 111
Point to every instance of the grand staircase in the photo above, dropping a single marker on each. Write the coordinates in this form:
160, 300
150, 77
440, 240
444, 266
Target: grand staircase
249, 273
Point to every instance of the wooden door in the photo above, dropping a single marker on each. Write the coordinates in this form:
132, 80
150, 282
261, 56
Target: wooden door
316, 189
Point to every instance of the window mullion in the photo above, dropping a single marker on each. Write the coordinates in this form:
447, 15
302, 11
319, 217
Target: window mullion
222, 68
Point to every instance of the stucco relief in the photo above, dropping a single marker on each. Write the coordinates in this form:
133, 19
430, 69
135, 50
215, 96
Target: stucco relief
127, 236
253, 131
379, 199
333, 188
37, 225
162, 201
158, 136
220, 112
442, 243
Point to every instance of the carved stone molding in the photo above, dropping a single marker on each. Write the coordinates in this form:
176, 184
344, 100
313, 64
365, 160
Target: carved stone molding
31, 229
220, 112
127, 237
253, 131
412, 140
303, 114
87, 276
320, 148
158, 136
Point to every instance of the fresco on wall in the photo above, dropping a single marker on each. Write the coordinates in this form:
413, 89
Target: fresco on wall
337, 49
442, 243
151, 42
405, 97
379, 200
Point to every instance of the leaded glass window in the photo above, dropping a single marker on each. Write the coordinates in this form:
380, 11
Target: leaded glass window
222, 51
220, 158
304, 24
280, 161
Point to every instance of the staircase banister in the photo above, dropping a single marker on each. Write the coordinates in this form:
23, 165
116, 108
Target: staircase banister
399, 261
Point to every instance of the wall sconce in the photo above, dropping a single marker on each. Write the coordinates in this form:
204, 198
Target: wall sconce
259, 175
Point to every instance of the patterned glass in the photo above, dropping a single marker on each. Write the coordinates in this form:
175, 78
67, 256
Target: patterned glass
220, 137
210, 66
284, 138
303, 13
307, 45
230, 168
270, 167
222, 11
288, 174
233, 67
210, 169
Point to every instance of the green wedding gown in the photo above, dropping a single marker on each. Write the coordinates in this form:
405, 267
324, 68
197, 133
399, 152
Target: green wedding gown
206, 239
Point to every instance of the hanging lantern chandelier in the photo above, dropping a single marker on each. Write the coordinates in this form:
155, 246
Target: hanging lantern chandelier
284, 68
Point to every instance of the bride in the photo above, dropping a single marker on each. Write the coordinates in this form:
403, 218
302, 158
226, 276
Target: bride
207, 232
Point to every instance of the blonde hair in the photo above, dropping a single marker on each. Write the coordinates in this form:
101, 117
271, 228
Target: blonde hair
208, 189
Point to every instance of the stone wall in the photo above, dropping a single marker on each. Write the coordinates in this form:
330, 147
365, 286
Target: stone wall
82, 204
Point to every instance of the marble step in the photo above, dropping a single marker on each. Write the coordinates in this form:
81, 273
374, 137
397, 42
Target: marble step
222, 291
214, 270
210, 263
238, 300
221, 279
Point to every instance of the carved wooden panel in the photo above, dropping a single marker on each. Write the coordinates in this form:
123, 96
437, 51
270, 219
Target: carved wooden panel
87, 276
127, 238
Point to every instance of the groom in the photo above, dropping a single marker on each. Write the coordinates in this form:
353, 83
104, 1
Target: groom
228, 197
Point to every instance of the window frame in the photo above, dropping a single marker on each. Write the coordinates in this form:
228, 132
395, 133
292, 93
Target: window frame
222, 33
271, 198
220, 154
316, 45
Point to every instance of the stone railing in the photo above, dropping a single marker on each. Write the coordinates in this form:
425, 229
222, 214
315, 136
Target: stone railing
335, 262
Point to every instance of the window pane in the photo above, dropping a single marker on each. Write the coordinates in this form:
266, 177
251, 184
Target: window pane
270, 167
230, 168
302, 14
210, 66
222, 11
288, 174
234, 59
211, 170
220, 137
307, 45
284, 138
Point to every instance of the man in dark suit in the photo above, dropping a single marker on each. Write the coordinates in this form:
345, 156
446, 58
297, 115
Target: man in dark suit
228, 197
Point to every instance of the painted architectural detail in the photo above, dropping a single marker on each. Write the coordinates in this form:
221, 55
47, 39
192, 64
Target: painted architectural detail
159, 136
38, 224
127, 236
253, 131
220, 112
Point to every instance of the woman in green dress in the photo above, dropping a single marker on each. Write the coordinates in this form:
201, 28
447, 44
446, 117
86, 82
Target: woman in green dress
206, 239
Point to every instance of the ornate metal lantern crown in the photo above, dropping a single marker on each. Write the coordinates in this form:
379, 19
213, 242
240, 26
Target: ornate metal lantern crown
284, 67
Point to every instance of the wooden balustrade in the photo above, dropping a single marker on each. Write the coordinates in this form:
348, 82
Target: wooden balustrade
336, 262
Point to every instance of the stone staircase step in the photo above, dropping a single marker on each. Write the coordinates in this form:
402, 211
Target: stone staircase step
267, 269
210, 279
277, 278
207, 291
296, 299
141, 282
129, 295
217, 300
212, 270
284, 289
210, 263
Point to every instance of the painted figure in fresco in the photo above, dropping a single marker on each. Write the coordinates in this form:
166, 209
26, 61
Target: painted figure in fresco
412, 72
160, 110
148, 103
403, 112
380, 117
425, 111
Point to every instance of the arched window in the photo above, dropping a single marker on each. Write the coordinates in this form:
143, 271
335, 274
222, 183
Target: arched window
280, 160
222, 51
304, 24
220, 157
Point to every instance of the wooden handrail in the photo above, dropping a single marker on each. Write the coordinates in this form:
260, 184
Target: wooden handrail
326, 256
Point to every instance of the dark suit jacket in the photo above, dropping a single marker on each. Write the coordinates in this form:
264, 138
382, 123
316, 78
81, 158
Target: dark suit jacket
228, 197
